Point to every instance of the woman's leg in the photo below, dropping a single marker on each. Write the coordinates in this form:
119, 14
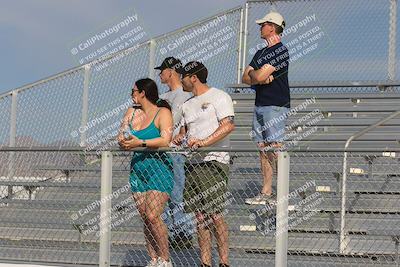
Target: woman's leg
140, 201
155, 203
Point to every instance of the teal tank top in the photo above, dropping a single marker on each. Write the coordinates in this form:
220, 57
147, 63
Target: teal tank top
150, 171
150, 132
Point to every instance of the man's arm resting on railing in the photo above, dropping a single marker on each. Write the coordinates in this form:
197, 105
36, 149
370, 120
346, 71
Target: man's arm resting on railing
177, 140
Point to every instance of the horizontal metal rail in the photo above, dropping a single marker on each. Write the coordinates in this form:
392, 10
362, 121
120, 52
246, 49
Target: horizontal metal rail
323, 84
207, 149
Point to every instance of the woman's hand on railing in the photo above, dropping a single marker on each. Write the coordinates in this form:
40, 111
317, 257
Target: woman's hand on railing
130, 143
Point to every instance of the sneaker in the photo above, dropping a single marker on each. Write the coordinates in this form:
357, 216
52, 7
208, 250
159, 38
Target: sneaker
204, 265
260, 199
223, 265
164, 263
153, 263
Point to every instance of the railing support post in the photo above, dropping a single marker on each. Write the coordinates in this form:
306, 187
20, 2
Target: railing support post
105, 209
85, 104
282, 209
13, 133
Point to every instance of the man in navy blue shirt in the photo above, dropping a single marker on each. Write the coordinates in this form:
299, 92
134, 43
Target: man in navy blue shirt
267, 74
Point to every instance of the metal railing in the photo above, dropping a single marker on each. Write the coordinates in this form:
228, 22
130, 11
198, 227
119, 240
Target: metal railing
86, 94
55, 111
301, 221
343, 235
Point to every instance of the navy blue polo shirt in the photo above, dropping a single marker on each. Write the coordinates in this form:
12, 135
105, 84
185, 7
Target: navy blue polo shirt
276, 93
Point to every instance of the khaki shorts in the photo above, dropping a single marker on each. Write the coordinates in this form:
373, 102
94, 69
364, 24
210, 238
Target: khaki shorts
206, 187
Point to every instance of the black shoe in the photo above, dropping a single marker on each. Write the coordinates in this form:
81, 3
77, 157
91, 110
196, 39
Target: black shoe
204, 265
223, 265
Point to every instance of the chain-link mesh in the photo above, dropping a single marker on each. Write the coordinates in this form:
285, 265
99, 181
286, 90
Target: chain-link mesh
394, 23
52, 212
371, 209
110, 94
314, 220
50, 200
328, 40
5, 107
318, 121
214, 42
49, 111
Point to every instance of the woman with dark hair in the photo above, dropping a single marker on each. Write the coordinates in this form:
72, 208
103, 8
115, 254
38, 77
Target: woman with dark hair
151, 176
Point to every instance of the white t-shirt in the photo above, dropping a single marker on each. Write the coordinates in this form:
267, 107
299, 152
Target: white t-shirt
202, 114
175, 99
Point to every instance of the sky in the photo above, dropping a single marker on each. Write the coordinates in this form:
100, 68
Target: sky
36, 36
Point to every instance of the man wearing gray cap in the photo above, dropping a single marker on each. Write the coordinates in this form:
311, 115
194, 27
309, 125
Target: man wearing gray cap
180, 225
267, 74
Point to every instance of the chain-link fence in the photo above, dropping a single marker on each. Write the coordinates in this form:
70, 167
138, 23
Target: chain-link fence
329, 40
215, 42
50, 200
53, 214
43, 199
69, 108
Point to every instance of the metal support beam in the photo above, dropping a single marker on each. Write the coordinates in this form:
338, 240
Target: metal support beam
105, 209
245, 33
85, 105
152, 58
12, 141
392, 40
240, 48
282, 210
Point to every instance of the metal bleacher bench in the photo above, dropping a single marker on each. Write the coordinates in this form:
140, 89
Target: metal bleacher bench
343, 114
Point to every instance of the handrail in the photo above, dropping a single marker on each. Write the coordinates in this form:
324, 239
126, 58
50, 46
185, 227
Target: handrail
203, 149
343, 237
326, 84
50, 78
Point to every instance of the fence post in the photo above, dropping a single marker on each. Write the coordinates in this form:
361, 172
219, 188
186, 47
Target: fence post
282, 209
13, 133
392, 40
344, 240
85, 104
152, 58
245, 33
239, 66
105, 209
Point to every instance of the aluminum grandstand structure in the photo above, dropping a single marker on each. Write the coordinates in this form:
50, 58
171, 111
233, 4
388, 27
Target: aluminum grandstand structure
343, 141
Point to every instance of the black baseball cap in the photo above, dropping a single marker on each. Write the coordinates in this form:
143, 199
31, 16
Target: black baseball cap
171, 63
195, 67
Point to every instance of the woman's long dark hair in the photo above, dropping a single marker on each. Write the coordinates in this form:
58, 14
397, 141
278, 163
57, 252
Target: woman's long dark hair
151, 92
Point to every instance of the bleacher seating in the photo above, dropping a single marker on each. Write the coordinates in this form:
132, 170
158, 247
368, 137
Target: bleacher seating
42, 229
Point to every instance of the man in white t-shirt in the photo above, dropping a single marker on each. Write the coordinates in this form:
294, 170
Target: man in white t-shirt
207, 119
180, 225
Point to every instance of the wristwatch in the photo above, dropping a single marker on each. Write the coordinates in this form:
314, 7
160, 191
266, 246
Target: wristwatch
144, 143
